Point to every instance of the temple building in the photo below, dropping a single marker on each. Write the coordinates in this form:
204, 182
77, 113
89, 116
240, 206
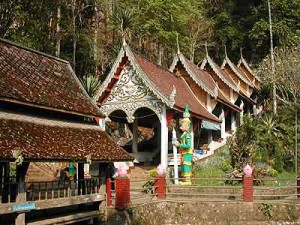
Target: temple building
139, 95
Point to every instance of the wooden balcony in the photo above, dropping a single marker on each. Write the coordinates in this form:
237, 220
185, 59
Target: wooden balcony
51, 194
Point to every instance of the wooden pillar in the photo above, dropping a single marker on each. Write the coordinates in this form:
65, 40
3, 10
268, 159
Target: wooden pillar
135, 136
5, 192
108, 192
164, 139
21, 195
80, 175
1, 180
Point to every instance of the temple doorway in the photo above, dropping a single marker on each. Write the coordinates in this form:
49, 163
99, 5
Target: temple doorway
140, 138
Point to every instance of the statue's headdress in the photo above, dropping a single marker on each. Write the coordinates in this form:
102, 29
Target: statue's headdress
186, 117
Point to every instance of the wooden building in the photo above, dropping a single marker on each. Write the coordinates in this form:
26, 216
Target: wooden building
140, 93
46, 116
211, 91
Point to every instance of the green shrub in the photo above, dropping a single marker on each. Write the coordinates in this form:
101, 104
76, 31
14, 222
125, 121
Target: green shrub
272, 173
153, 172
226, 166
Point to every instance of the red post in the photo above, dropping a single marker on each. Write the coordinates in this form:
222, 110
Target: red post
298, 187
108, 192
248, 189
160, 184
122, 192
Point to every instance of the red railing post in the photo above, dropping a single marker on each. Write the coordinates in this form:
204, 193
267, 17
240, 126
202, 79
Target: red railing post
160, 184
108, 192
298, 187
248, 188
122, 192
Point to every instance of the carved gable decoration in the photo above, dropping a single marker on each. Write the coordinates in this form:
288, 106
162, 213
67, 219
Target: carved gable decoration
129, 94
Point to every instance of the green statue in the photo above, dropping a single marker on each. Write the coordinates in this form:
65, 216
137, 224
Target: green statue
185, 148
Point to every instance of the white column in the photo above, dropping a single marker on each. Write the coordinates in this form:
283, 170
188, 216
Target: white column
208, 103
242, 112
174, 139
164, 139
192, 135
135, 136
233, 121
222, 118
209, 136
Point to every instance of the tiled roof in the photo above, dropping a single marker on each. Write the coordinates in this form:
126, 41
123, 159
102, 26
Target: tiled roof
219, 72
165, 80
202, 76
53, 140
36, 79
205, 78
237, 71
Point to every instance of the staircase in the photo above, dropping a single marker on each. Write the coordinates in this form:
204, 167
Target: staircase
43, 172
140, 172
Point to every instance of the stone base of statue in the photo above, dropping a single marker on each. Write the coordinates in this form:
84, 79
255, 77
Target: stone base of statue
185, 183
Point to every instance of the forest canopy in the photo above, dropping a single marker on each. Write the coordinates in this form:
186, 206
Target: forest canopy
88, 33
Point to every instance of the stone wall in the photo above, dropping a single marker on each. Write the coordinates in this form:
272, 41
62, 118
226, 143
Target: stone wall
198, 213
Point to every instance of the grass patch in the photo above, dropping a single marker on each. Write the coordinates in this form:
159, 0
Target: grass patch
209, 172
282, 179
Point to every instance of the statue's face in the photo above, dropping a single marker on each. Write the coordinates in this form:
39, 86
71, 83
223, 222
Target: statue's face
184, 127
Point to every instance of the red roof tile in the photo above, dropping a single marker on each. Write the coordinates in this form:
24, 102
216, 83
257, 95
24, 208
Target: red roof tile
228, 79
165, 80
206, 78
33, 78
44, 140
201, 75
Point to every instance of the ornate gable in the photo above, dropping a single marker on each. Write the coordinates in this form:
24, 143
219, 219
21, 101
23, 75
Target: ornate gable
131, 93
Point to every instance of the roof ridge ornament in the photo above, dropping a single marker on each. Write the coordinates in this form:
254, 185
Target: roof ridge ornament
241, 52
124, 41
206, 50
177, 43
172, 96
225, 49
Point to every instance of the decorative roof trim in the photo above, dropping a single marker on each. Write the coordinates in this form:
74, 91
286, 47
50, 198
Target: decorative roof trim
110, 75
174, 63
172, 96
195, 79
232, 67
243, 61
165, 99
219, 74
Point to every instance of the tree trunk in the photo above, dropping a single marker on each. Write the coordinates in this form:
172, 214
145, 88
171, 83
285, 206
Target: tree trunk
96, 33
58, 35
160, 54
74, 34
21, 195
272, 61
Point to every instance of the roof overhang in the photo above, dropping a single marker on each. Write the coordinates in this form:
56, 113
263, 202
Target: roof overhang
40, 139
